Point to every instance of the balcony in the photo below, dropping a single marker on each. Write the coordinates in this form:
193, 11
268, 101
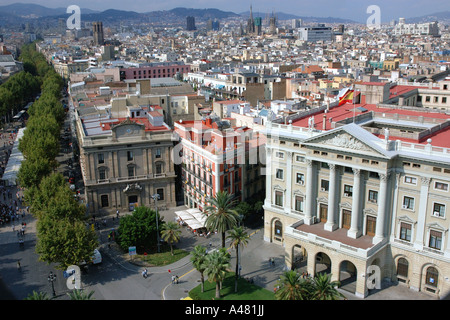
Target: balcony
337, 240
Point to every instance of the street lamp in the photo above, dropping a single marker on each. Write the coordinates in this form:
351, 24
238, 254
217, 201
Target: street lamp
156, 198
52, 278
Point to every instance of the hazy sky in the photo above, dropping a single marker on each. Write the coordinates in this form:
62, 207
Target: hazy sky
351, 9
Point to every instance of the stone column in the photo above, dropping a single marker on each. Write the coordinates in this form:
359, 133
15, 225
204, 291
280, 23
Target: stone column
354, 231
382, 214
288, 206
422, 215
331, 223
268, 201
309, 208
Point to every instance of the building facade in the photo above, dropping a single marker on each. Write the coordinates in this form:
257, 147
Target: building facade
124, 161
218, 157
346, 199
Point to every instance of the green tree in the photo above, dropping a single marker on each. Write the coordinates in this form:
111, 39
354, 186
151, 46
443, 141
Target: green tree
216, 265
37, 296
325, 289
171, 233
244, 209
221, 214
79, 294
64, 241
292, 287
238, 238
198, 258
32, 171
139, 229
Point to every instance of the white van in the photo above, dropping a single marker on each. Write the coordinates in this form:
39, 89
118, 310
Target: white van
96, 258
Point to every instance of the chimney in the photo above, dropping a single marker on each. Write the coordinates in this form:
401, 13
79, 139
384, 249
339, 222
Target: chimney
324, 126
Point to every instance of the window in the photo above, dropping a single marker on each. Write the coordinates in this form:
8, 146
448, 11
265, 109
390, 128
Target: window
158, 153
324, 185
279, 198
300, 159
160, 192
299, 203
402, 267
104, 201
158, 168
435, 240
441, 186
324, 165
444, 99
130, 172
102, 174
432, 277
348, 190
300, 178
373, 196
279, 155
278, 228
130, 155
438, 210
279, 174
408, 203
427, 99
410, 180
101, 158
405, 231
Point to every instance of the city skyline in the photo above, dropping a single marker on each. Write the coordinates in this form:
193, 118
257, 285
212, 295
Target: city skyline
353, 10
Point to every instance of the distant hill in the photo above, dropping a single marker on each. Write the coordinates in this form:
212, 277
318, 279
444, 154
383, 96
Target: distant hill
31, 10
288, 16
443, 17
203, 13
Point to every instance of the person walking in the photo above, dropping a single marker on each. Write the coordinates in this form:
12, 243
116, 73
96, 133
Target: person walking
145, 273
18, 265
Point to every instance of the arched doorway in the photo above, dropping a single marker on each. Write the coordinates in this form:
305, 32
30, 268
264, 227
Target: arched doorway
402, 270
299, 258
323, 263
347, 276
431, 284
277, 231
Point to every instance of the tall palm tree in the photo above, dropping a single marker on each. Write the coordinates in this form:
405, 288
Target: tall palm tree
171, 233
238, 238
293, 287
198, 260
221, 214
216, 265
324, 288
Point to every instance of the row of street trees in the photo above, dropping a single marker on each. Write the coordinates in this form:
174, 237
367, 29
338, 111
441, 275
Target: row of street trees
62, 235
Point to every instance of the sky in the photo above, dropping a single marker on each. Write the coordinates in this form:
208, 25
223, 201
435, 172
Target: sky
350, 9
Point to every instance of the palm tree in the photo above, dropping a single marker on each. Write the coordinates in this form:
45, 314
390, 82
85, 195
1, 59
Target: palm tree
80, 295
325, 289
221, 214
238, 238
216, 265
171, 233
293, 287
198, 260
37, 296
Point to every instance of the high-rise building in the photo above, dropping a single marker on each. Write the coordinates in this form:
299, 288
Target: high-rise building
97, 28
190, 23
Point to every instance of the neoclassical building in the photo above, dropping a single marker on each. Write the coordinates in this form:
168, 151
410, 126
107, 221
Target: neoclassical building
350, 191
126, 160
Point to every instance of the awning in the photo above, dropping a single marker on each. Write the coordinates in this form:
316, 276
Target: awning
194, 218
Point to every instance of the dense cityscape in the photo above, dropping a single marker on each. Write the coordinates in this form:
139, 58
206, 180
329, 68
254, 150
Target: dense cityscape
287, 157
